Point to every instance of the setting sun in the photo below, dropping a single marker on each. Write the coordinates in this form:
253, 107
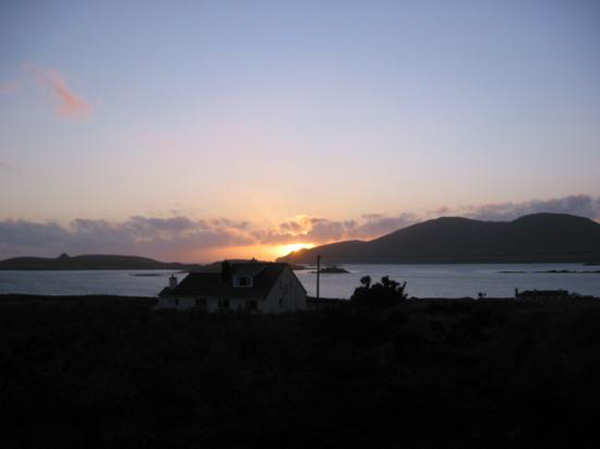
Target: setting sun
284, 250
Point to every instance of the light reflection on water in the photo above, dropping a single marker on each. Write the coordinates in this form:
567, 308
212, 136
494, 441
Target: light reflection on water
450, 281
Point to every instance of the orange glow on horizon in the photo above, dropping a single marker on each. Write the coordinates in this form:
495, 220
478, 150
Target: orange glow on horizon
261, 252
284, 250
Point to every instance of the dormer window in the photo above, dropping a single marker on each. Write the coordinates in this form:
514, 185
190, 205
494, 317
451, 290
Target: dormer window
242, 281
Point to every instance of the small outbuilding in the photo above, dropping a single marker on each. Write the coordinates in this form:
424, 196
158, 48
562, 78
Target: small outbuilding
542, 294
252, 286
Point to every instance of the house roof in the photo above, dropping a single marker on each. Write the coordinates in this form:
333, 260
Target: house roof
212, 284
247, 269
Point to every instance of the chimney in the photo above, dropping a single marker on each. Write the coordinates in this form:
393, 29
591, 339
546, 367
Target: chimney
172, 282
225, 272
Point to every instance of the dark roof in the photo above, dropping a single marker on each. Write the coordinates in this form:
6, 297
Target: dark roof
165, 292
247, 269
212, 284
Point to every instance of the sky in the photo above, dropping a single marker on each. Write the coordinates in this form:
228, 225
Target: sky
197, 130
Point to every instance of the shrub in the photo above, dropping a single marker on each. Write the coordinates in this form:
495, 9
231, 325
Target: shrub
385, 293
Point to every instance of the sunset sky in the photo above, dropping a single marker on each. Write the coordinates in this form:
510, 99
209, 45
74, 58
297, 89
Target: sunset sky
196, 130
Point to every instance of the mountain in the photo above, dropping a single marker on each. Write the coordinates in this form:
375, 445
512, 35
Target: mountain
90, 262
530, 239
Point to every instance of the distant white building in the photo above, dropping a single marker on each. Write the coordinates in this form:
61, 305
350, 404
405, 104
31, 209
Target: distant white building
542, 294
252, 286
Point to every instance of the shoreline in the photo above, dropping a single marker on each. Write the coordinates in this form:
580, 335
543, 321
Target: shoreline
304, 266
107, 299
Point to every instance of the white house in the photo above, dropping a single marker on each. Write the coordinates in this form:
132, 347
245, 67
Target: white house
252, 286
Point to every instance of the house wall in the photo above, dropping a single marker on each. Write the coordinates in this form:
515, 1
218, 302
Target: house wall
176, 303
287, 295
212, 303
287, 289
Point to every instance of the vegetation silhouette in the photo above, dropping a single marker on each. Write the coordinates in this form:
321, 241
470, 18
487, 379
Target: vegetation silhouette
385, 293
111, 372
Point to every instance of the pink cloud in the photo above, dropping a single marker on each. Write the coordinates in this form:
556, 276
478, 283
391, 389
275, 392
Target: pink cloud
6, 167
70, 104
8, 87
441, 211
305, 229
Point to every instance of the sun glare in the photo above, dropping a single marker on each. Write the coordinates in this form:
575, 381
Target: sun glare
284, 250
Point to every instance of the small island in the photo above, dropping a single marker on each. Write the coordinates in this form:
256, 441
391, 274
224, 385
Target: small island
332, 270
64, 262
297, 267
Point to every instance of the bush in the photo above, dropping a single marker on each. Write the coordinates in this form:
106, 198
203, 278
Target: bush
385, 293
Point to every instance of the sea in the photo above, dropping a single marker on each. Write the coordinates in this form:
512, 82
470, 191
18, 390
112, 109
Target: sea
422, 281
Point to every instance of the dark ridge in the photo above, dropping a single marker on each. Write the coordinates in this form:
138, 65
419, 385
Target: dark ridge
90, 262
534, 238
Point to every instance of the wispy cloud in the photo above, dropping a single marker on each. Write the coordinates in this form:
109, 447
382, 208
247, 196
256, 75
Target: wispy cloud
8, 87
176, 237
305, 229
583, 205
6, 167
183, 238
165, 238
69, 104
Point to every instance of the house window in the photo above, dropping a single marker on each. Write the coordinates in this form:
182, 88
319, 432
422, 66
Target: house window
201, 302
243, 281
252, 305
223, 304
281, 302
176, 301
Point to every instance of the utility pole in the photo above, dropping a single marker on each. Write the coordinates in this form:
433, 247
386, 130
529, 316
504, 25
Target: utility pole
318, 274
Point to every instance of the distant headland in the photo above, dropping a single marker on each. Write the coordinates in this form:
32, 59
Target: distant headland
110, 262
91, 262
537, 238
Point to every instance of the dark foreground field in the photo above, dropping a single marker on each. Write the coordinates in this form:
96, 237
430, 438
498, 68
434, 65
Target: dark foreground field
106, 372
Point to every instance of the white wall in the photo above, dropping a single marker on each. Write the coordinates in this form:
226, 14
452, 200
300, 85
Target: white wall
176, 303
287, 288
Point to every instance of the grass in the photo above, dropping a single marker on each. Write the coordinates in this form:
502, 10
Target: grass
111, 372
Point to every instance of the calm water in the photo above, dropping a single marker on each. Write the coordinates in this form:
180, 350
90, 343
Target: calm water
455, 281
450, 281
93, 282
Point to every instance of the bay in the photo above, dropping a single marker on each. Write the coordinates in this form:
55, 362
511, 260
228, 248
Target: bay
459, 280
425, 281
86, 282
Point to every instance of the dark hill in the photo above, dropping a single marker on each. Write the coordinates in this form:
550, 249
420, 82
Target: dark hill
89, 262
529, 239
